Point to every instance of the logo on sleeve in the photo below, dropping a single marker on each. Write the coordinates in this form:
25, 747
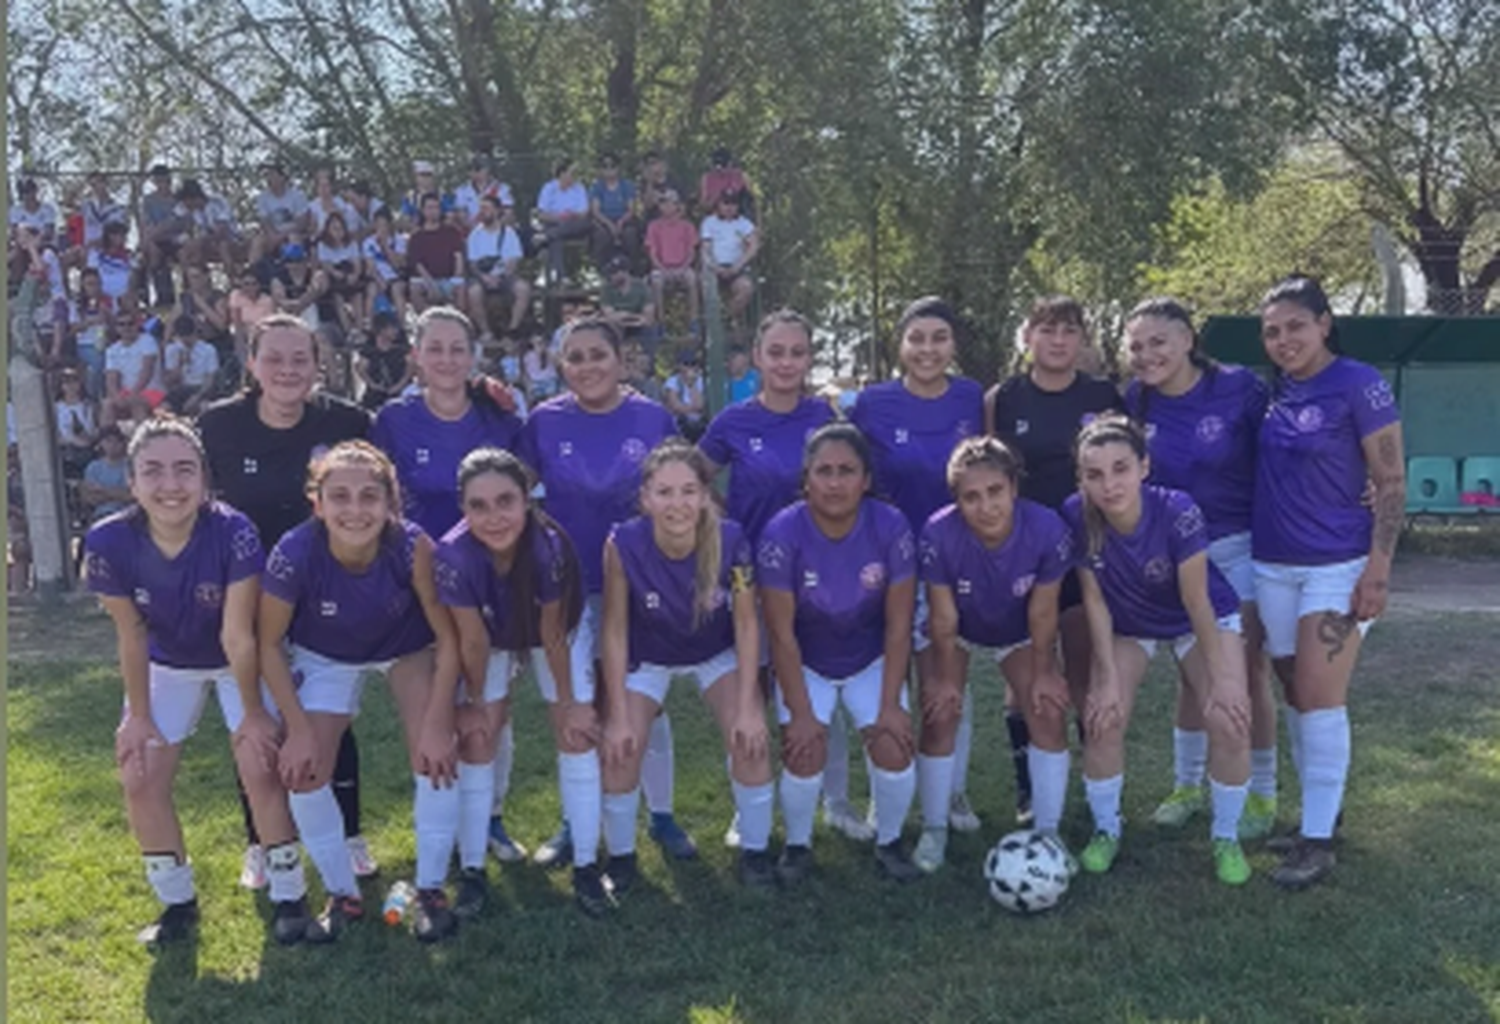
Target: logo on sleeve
209, 595
1190, 522
245, 543
1022, 585
1158, 570
872, 576
280, 567
1379, 396
771, 555
928, 552
906, 547
1309, 418
1210, 429
445, 575
96, 567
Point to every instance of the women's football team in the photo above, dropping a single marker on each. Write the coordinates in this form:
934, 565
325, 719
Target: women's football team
1054, 525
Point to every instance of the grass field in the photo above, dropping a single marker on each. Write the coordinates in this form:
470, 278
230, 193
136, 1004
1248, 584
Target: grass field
1407, 931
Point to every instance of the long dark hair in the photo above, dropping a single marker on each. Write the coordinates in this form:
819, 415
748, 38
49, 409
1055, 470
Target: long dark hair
1165, 307
524, 575
1110, 428
1308, 293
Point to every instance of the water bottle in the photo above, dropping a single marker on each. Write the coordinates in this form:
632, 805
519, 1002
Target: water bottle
398, 901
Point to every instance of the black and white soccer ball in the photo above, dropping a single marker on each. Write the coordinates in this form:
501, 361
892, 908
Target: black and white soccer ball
1027, 872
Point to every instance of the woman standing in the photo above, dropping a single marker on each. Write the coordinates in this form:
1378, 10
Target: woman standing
1201, 421
587, 447
177, 574
1322, 567
259, 445
679, 599
348, 592
1146, 578
838, 591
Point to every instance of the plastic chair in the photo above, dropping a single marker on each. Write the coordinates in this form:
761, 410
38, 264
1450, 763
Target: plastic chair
1481, 483
1432, 486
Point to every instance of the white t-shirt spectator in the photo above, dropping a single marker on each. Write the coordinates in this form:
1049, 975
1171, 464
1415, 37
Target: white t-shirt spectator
197, 366
378, 259
127, 357
320, 215
99, 212
686, 394
75, 422
214, 213
332, 256
466, 197
556, 200
43, 218
726, 240
114, 271
281, 212
497, 244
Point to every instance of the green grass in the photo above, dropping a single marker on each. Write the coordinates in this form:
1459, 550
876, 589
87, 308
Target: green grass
1408, 930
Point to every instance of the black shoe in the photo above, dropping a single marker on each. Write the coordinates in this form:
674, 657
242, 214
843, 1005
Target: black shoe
756, 870
623, 873
1024, 817
473, 894
1306, 865
432, 920
175, 924
289, 922
1288, 841
795, 864
895, 862
339, 914
590, 892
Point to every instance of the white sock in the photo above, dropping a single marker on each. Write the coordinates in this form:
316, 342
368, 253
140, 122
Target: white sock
893, 795
935, 779
320, 823
1294, 736
1325, 769
753, 806
836, 764
799, 803
1263, 771
435, 813
476, 797
284, 875
505, 760
1049, 786
578, 777
963, 743
1104, 802
172, 879
1228, 805
620, 810
657, 767
1189, 756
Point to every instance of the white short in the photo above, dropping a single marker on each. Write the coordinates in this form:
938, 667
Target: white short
653, 680
1287, 594
859, 693
178, 696
1231, 556
583, 648
328, 686
502, 667
998, 653
1183, 644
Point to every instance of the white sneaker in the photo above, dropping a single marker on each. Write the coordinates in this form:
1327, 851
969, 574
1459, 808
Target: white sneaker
841, 816
360, 857
931, 850
961, 817
732, 833
253, 872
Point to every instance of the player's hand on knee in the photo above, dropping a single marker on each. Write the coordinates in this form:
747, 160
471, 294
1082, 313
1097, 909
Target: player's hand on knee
1230, 711
136, 734
750, 738
437, 749
580, 727
1049, 695
942, 702
258, 736
894, 724
298, 760
619, 743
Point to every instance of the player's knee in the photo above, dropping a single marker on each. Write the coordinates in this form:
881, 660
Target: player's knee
806, 761
887, 753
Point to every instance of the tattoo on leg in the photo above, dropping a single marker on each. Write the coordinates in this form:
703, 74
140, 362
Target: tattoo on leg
1334, 630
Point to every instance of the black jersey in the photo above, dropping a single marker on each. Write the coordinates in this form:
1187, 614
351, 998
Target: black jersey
262, 470
1042, 426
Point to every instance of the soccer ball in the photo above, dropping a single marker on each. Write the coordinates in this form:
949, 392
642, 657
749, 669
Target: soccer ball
1027, 872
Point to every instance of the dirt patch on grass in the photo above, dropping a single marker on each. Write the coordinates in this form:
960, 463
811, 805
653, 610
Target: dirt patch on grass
74, 629
1435, 583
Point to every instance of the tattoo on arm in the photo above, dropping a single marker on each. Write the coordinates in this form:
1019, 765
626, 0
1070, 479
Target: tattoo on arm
1385, 451
1390, 508
1334, 630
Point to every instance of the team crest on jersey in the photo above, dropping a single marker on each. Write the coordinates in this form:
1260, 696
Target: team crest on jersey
250, 467
1023, 427
209, 595
1309, 418
1158, 570
328, 609
653, 600
633, 449
901, 435
872, 576
1022, 585
770, 555
1210, 429
964, 587
142, 596
1379, 395
756, 444
565, 448
1189, 523
809, 579
423, 456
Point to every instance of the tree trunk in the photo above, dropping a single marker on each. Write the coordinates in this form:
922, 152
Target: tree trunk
621, 92
36, 440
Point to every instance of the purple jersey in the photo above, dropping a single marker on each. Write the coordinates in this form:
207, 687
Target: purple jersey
839, 585
1311, 475
1203, 442
911, 438
467, 578
590, 465
353, 617
663, 591
427, 451
181, 598
1138, 572
992, 586
763, 450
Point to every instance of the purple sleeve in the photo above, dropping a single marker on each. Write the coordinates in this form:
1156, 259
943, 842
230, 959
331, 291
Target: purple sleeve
1373, 403
452, 586
1057, 550
549, 566
740, 561
1188, 534
934, 567
526, 443
246, 557
102, 564
713, 443
282, 578
901, 553
382, 432
773, 558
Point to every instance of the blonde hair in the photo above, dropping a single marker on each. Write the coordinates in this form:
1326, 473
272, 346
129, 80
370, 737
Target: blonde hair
707, 542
